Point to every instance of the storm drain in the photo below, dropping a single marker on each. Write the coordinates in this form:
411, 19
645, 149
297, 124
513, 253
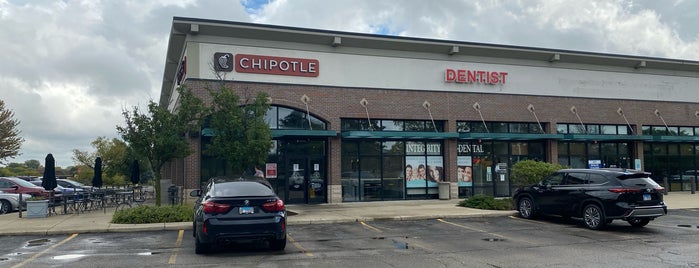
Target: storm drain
38, 242
493, 239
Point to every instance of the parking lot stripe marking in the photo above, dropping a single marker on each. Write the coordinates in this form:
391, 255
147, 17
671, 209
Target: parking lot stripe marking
37, 255
370, 227
176, 250
297, 245
481, 231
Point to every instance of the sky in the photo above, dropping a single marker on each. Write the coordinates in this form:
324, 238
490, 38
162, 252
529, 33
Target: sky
69, 68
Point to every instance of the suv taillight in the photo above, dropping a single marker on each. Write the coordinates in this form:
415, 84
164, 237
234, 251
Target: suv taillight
213, 207
273, 206
625, 190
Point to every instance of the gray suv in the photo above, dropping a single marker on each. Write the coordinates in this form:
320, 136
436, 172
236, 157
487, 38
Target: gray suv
597, 196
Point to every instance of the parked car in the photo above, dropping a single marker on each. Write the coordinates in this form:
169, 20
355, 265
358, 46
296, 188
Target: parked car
597, 196
238, 209
75, 193
10, 202
17, 185
67, 183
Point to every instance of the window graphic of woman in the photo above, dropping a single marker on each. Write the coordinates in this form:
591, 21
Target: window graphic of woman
409, 172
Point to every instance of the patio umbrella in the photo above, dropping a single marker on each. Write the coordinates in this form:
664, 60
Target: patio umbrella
135, 172
97, 179
49, 181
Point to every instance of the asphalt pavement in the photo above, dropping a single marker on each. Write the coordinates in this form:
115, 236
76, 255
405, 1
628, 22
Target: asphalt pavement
100, 221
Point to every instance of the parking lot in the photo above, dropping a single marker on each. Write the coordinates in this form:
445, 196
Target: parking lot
505, 241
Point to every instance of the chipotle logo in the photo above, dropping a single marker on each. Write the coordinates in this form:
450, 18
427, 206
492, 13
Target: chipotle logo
247, 63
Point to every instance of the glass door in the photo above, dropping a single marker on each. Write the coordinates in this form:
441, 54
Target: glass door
307, 182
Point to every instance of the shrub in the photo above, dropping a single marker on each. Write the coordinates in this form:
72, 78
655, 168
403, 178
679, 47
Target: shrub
154, 214
528, 172
480, 201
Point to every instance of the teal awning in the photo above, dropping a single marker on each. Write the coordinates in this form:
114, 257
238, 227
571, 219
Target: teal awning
654, 138
399, 135
509, 136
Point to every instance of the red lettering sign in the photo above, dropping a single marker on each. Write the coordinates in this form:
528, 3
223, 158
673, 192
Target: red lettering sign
475, 76
271, 170
245, 63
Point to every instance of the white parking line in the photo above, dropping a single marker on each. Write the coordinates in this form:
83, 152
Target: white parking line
483, 231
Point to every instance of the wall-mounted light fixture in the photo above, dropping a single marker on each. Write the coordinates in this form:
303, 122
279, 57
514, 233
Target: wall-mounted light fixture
454, 50
620, 112
305, 99
696, 113
657, 113
555, 57
337, 41
640, 64
426, 105
477, 107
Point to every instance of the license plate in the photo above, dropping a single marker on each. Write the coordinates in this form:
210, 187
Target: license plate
646, 197
246, 210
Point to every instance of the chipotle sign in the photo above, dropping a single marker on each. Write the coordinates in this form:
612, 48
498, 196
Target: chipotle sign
246, 63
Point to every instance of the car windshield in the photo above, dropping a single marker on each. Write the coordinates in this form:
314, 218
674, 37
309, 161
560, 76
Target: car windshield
72, 182
640, 182
22, 182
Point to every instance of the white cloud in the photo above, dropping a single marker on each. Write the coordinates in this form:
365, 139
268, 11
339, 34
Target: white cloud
69, 67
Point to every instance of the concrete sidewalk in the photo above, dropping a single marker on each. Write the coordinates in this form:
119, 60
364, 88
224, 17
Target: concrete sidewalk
99, 221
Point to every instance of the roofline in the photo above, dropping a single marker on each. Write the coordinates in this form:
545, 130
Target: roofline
420, 39
183, 26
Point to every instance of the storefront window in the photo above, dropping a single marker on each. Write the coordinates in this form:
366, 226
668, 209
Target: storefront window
392, 125
393, 177
562, 129
686, 131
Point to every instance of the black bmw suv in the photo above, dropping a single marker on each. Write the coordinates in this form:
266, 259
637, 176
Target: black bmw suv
597, 196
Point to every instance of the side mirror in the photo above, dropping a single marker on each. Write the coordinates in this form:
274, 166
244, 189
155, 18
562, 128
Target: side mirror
195, 193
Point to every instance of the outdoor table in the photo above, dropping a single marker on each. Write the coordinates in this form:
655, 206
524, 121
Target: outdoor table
123, 196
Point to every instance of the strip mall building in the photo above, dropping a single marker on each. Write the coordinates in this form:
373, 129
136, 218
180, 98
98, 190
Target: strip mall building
360, 117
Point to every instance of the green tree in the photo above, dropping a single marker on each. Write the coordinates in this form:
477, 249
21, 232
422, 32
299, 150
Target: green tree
33, 164
159, 135
10, 141
528, 172
20, 169
115, 158
241, 136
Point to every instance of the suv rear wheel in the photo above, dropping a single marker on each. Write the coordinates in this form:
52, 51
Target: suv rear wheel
594, 217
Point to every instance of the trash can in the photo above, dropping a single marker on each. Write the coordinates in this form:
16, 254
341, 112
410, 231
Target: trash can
444, 188
172, 194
